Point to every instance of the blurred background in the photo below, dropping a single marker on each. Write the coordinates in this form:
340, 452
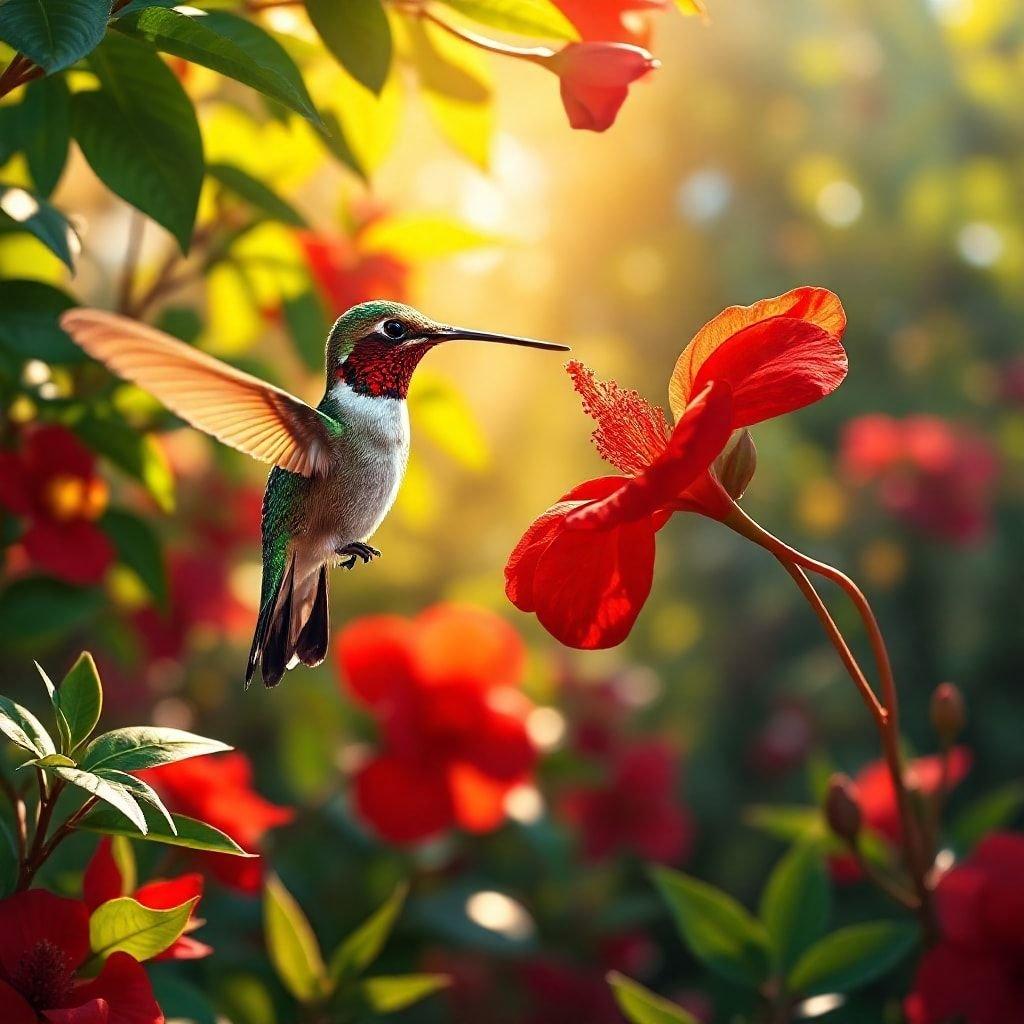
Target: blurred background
873, 148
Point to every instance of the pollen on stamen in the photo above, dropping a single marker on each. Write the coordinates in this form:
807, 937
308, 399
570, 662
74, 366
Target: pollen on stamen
631, 433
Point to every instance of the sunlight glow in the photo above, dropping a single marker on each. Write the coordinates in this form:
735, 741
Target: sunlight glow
546, 727
839, 204
19, 205
980, 244
524, 804
816, 1006
499, 913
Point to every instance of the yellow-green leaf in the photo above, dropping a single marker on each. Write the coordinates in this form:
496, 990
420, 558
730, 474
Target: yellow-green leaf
644, 1007
363, 946
538, 18
416, 237
390, 994
125, 926
292, 946
442, 413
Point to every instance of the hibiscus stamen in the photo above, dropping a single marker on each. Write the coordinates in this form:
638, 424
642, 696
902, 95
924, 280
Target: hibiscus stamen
44, 975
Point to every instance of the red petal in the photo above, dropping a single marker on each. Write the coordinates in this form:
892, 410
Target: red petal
500, 748
775, 367
479, 800
14, 1009
125, 987
164, 895
76, 551
589, 586
403, 801
53, 450
102, 879
376, 657
15, 489
522, 563
461, 644
595, 79
35, 916
96, 1011
185, 948
699, 436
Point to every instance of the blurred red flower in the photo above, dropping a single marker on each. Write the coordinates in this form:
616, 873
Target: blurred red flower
217, 789
877, 799
52, 484
103, 881
636, 810
44, 942
443, 687
784, 738
934, 475
585, 567
611, 21
566, 994
975, 974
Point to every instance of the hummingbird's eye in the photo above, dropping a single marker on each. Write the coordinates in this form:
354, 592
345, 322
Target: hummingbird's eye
394, 329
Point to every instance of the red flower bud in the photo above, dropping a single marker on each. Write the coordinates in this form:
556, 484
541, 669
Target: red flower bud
735, 466
842, 807
948, 712
596, 78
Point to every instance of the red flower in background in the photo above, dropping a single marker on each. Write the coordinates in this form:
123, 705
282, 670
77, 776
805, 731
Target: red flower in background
217, 789
444, 689
44, 942
585, 567
934, 475
566, 994
103, 881
877, 799
52, 484
636, 810
611, 21
975, 974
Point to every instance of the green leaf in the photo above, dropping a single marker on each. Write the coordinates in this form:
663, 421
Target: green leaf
144, 746
124, 857
391, 994
138, 547
37, 610
292, 946
80, 698
30, 324
795, 905
182, 1001
136, 453
358, 34
337, 145
22, 211
110, 792
307, 324
716, 928
125, 926
991, 812
793, 822
140, 135
539, 18
63, 730
641, 1006
256, 194
851, 957
364, 945
141, 791
50, 761
46, 131
20, 726
187, 832
227, 44
54, 33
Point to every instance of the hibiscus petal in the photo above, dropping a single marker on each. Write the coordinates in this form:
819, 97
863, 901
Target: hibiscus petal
172, 892
522, 563
500, 747
96, 1011
15, 492
76, 551
34, 916
52, 450
700, 434
461, 644
478, 800
814, 305
14, 1009
102, 880
124, 986
376, 657
595, 79
589, 586
404, 801
185, 948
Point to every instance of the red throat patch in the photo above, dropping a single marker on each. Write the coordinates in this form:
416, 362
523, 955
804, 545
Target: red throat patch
382, 369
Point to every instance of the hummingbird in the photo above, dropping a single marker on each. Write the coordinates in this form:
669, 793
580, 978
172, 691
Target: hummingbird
337, 467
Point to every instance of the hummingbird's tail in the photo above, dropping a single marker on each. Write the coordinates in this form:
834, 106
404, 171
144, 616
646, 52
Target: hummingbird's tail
290, 629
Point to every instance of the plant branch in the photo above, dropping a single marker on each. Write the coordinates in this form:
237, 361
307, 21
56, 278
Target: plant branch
20, 816
136, 228
536, 54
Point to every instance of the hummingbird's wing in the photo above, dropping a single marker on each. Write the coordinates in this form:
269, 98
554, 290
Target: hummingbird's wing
241, 410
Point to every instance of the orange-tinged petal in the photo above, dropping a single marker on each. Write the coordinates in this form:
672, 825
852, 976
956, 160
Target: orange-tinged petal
477, 799
818, 306
631, 433
700, 434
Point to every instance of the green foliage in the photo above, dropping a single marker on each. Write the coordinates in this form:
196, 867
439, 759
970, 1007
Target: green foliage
35, 610
140, 135
30, 328
358, 34
641, 1006
125, 926
181, 831
80, 699
45, 125
22, 211
308, 326
113, 793
716, 928
991, 812
391, 994
538, 18
138, 547
20, 726
364, 945
145, 746
292, 946
256, 194
795, 904
54, 33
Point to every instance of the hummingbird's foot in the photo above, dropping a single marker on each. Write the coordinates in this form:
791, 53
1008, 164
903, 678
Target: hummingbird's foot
354, 551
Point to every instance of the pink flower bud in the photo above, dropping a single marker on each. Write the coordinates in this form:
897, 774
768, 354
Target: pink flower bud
735, 466
948, 712
842, 807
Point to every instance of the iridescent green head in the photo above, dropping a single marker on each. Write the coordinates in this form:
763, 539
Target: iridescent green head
375, 347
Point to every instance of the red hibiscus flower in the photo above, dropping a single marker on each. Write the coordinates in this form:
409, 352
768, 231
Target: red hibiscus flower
614, 21
585, 567
217, 789
443, 687
636, 810
44, 941
877, 799
103, 881
975, 974
932, 474
52, 484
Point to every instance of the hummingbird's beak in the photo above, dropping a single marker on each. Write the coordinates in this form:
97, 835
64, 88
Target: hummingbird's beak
459, 334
